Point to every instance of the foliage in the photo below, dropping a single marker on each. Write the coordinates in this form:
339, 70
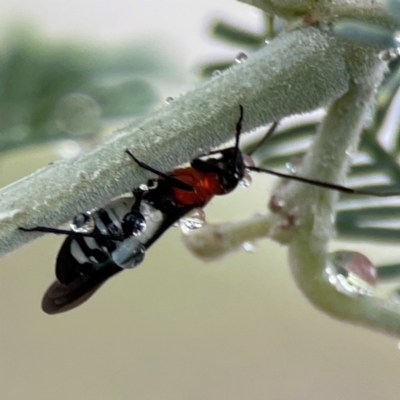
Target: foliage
51, 90
307, 66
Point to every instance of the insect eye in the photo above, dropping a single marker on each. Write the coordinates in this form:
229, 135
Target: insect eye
134, 223
83, 222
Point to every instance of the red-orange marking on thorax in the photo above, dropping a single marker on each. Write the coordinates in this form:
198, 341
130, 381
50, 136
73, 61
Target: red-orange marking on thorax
205, 186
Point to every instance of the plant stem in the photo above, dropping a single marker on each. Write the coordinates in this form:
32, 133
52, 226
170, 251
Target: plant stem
309, 211
328, 160
215, 241
297, 72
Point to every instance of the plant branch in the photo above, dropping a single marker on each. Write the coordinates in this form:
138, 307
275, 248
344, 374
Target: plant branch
214, 241
308, 211
325, 11
328, 159
297, 72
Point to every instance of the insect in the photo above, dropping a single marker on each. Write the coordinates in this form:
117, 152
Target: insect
124, 230
101, 243
116, 237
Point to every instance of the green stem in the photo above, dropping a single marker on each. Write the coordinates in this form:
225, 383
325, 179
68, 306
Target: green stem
308, 248
215, 241
297, 72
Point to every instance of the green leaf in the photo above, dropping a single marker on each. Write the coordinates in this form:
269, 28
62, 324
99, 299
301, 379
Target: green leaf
233, 35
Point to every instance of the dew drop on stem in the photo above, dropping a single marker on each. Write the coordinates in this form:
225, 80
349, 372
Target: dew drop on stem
240, 58
193, 220
248, 247
245, 182
351, 273
83, 223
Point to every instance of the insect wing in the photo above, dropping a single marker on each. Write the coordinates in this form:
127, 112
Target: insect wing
60, 297
74, 288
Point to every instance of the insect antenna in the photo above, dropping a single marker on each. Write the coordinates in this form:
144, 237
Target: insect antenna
326, 185
314, 182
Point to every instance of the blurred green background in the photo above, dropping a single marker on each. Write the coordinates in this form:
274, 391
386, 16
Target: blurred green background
175, 328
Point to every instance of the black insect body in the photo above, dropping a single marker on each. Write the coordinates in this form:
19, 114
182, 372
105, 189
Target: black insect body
108, 240
100, 244
114, 238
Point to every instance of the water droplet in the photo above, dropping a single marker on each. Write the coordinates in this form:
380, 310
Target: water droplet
240, 58
135, 223
351, 273
113, 229
276, 203
78, 114
169, 100
292, 168
248, 247
216, 72
245, 182
68, 149
389, 54
248, 161
152, 184
129, 253
83, 223
194, 220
